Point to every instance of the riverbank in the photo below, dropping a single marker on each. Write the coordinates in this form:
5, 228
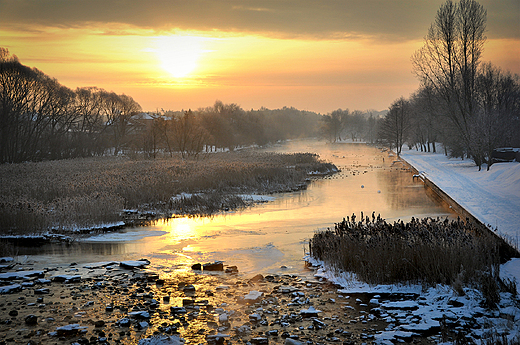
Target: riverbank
495, 193
130, 303
101, 193
493, 197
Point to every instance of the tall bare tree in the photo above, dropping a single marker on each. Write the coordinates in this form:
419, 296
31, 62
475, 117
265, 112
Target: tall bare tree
449, 61
395, 127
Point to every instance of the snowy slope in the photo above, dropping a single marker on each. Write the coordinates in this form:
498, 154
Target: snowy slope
491, 196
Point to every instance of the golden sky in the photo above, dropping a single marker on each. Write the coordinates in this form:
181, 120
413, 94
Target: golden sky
178, 54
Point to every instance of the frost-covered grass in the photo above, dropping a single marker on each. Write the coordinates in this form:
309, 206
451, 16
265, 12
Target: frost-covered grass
427, 252
92, 192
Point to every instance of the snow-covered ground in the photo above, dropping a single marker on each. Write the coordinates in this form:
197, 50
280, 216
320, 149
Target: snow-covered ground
491, 196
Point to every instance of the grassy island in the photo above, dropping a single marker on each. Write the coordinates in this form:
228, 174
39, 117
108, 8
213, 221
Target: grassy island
89, 193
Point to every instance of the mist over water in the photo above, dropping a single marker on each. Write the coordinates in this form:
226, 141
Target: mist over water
271, 237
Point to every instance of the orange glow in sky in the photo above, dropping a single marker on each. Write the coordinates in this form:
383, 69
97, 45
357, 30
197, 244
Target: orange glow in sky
320, 57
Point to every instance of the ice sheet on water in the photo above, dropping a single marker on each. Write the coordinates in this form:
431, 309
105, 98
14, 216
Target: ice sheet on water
257, 198
125, 236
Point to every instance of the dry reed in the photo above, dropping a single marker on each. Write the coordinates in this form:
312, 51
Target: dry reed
91, 192
427, 251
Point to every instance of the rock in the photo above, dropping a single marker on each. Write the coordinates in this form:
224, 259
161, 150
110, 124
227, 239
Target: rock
196, 267
124, 322
257, 278
287, 289
290, 341
216, 339
311, 312
99, 323
252, 297
259, 341
177, 310
31, 319
162, 340
188, 288
69, 330
10, 288
255, 317
21, 275
13, 313
66, 278
139, 315
272, 333
215, 266
131, 264
231, 269
41, 291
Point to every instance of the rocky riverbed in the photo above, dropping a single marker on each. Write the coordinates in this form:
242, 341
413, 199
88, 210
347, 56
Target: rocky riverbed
129, 302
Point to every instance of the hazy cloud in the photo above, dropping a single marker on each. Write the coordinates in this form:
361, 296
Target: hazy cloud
380, 19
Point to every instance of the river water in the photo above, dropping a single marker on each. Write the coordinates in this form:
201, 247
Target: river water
270, 237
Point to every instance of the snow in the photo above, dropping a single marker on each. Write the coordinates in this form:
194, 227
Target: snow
256, 197
10, 288
493, 196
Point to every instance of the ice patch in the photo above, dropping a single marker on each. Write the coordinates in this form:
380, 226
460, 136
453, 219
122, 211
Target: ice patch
123, 236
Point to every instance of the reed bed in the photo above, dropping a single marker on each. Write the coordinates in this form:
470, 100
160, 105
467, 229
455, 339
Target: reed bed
92, 192
423, 251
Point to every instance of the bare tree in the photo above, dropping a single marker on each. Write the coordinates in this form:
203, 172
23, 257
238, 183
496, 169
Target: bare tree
449, 62
396, 125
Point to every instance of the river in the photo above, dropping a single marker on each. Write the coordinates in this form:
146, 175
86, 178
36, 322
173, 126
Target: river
270, 237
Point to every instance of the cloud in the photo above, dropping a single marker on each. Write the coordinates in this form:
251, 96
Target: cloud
329, 19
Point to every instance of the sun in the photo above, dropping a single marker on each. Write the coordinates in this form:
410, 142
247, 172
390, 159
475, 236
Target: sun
179, 55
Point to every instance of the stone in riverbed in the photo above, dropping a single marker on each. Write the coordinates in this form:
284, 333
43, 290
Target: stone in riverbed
257, 278
196, 267
310, 312
215, 266
259, 341
64, 278
252, 297
290, 341
131, 264
70, 329
216, 339
10, 288
139, 315
31, 319
162, 340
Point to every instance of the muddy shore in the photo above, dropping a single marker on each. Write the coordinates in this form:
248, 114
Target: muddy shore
111, 303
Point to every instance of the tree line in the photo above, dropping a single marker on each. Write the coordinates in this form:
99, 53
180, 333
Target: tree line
42, 119
469, 106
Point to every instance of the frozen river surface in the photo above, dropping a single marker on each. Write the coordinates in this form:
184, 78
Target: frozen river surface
271, 237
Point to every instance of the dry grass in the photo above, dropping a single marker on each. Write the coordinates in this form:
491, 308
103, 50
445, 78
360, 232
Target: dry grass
90, 192
426, 251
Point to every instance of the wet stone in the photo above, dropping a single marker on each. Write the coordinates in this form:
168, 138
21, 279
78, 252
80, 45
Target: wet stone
215, 266
31, 319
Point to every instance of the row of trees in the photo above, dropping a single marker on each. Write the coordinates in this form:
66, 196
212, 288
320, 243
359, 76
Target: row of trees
42, 119
352, 125
469, 106
226, 127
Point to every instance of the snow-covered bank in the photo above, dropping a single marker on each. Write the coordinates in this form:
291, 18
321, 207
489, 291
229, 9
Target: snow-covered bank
491, 196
